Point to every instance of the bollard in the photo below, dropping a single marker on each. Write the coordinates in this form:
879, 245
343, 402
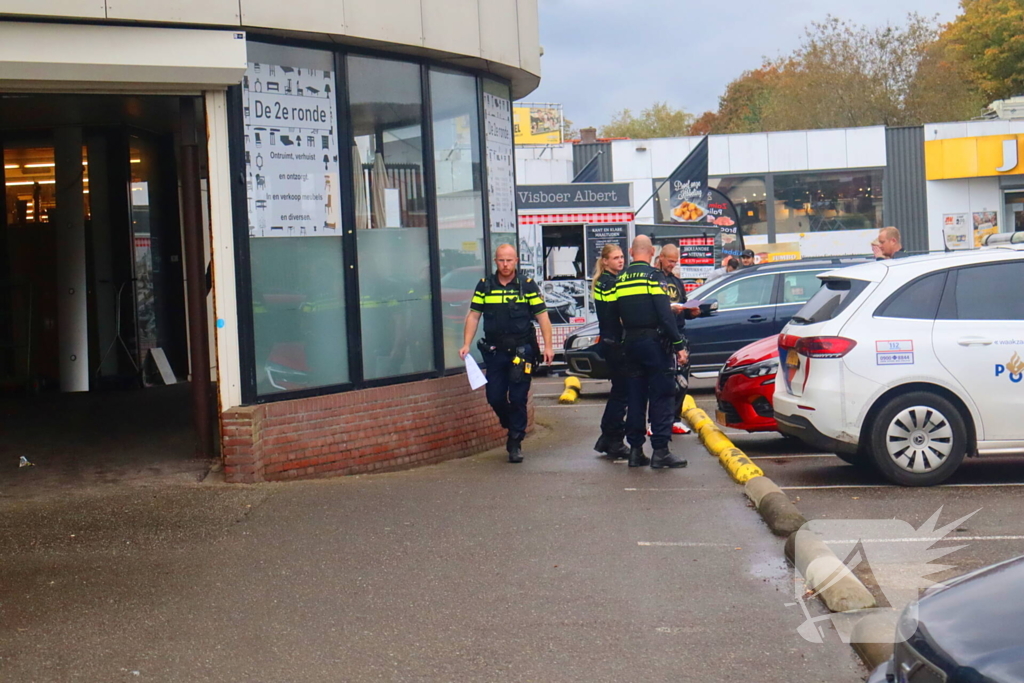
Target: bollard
573, 388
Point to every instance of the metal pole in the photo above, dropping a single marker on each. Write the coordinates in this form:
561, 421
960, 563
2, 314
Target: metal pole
195, 276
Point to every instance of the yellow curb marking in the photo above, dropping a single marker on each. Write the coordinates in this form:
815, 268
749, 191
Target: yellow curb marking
735, 461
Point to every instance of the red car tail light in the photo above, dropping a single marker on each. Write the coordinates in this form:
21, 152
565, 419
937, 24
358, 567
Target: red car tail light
824, 347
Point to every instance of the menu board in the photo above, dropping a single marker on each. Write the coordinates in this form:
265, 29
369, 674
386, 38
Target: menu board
600, 235
291, 151
501, 179
696, 257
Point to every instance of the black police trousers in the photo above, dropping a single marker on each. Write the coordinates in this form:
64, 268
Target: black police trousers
613, 421
507, 398
651, 390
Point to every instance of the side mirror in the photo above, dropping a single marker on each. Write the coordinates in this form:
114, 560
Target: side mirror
708, 308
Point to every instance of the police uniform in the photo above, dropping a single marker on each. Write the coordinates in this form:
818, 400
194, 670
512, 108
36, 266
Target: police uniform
676, 292
510, 349
650, 336
613, 422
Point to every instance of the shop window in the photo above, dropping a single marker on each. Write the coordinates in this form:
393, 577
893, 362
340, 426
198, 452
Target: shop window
455, 113
391, 217
294, 209
747, 193
565, 283
824, 202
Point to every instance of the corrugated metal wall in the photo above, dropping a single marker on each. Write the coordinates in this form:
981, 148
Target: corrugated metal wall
905, 202
583, 153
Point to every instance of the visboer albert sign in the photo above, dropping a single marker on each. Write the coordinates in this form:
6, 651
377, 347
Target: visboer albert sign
577, 196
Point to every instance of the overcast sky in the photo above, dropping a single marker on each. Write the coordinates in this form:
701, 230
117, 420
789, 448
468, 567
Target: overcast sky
603, 55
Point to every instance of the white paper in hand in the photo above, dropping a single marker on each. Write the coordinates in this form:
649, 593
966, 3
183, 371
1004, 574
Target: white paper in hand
474, 373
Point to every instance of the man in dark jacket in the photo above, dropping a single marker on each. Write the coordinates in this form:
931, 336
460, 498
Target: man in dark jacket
667, 261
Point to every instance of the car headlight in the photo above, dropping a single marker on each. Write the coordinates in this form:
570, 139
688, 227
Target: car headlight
585, 341
765, 367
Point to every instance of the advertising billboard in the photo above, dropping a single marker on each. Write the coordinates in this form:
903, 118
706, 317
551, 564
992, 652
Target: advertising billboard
537, 124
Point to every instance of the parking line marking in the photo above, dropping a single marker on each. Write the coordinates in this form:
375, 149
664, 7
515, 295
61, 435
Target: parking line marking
928, 539
681, 544
690, 488
893, 486
790, 457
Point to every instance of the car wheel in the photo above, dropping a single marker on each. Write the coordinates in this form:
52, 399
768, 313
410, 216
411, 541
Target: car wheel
918, 439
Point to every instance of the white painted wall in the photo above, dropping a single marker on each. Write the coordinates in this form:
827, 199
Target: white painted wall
971, 129
964, 195
548, 165
502, 35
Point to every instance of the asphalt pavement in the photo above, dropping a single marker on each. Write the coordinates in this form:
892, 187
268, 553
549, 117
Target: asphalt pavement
824, 487
568, 567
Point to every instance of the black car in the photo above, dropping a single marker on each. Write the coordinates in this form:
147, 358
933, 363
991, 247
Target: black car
740, 308
966, 631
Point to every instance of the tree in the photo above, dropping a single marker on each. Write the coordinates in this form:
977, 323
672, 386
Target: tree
569, 130
747, 100
657, 121
989, 38
845, 75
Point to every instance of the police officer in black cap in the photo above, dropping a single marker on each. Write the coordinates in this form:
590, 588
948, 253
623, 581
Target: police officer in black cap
650, 337
508, 303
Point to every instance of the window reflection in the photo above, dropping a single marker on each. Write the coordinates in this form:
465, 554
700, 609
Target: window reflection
822, 202
747, 193
391, 217
460, 221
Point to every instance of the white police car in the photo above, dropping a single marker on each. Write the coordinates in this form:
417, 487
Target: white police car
910, 364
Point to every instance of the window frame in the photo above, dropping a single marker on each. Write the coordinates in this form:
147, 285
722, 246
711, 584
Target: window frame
735, 281
881, 310
243, 261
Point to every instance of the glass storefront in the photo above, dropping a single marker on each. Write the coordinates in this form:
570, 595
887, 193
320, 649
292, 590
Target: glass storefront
823, 202
814, 201
366, 210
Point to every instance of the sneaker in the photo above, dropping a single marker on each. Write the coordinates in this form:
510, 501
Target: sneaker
681, 428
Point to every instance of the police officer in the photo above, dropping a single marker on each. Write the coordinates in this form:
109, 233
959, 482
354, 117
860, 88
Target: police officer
667, 261
650, 337
613, 425
508, 303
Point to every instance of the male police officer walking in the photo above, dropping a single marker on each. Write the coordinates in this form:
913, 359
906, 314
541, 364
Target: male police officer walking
650, 336
508, 303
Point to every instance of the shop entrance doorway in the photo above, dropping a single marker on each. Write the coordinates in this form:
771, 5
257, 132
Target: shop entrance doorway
94, 346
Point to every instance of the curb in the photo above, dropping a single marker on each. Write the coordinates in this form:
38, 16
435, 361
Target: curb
735, 461
826, 574
573, 388
873, 636
774, 506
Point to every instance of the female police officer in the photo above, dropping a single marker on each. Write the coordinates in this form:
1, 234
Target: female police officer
613, 422
508, 303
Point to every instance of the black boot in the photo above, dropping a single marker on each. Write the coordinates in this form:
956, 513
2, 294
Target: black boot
664, 458
637, 457
617, 450
602, 444
515, 450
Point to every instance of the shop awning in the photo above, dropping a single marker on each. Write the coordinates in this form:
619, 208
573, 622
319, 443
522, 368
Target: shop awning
37, 57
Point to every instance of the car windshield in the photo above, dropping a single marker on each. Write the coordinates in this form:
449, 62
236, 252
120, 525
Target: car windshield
829, 301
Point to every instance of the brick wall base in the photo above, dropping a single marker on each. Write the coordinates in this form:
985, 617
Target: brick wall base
372, 430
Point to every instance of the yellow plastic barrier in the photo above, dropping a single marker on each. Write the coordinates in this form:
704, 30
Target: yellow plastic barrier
573, 388
735, 461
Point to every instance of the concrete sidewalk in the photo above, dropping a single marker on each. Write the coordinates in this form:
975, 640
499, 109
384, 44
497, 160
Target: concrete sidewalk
473, 570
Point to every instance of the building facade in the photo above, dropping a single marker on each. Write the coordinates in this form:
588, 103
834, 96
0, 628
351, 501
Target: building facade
287, 206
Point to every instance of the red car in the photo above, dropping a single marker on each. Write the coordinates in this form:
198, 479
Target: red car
745, 387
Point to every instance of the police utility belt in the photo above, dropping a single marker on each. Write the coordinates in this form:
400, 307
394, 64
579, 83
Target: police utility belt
520, 347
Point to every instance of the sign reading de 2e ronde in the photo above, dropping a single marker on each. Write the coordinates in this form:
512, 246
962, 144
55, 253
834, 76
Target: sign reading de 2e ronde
575, 196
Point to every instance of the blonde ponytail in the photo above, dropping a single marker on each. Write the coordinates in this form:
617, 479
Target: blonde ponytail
599, 268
